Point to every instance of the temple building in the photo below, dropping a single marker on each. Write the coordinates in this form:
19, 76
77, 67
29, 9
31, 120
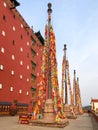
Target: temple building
20, 59
94, 105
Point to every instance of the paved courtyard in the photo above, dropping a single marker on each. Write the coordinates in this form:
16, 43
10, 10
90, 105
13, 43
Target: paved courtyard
83, 122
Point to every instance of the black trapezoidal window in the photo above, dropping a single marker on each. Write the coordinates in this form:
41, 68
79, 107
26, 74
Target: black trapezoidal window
13, 42
21, 37
4, 17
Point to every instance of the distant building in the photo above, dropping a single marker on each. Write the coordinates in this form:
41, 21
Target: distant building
86, 108
20, 59
94, 105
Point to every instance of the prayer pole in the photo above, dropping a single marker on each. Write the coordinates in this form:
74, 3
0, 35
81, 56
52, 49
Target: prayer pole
66, 98
49, 60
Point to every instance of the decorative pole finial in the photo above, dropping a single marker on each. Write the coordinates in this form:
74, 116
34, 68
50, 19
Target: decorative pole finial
65, 51
78, 79
65, 47
49, 11
74, 72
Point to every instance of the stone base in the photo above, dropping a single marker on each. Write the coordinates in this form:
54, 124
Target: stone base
68, 113
76, 110
44, 123
49, 115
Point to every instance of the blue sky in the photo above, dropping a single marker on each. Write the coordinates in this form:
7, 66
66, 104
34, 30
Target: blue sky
75, 23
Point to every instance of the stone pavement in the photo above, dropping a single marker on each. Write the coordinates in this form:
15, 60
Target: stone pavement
95, 124
83, 122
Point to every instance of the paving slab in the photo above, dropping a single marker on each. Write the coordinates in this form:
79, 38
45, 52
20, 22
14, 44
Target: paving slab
83, 122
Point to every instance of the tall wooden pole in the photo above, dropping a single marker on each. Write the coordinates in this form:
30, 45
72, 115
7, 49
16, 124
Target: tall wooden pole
49, 60
75, 88
66, 96
79, 98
